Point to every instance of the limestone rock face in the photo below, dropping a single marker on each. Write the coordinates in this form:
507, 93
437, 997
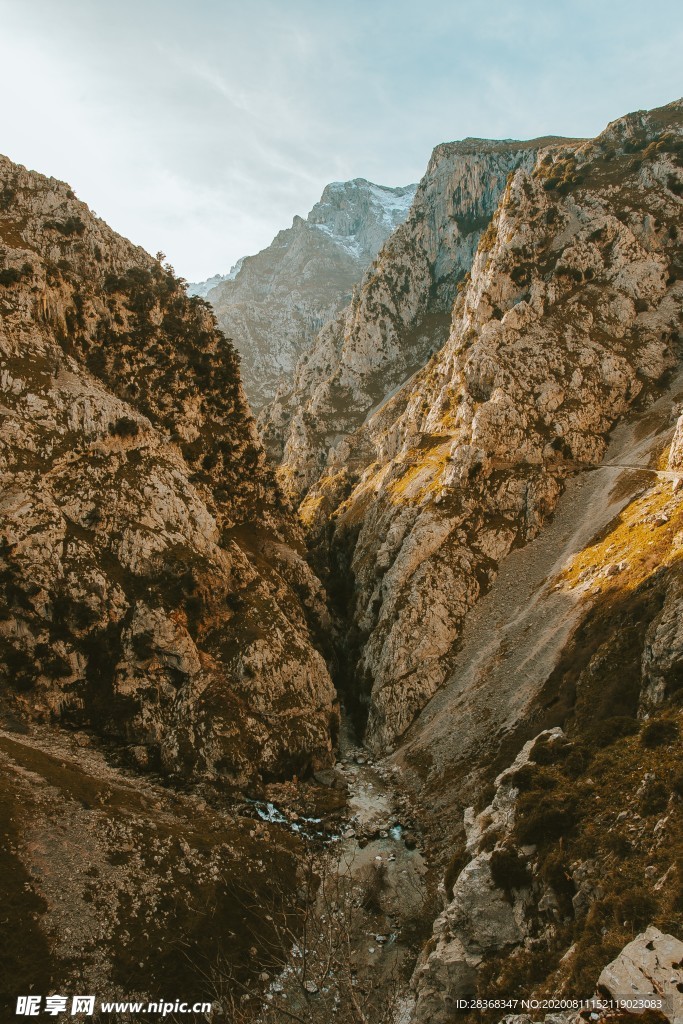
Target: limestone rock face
650, 965
399, 313
573, 308
136, 598
675, 461
663, 653
480, 918
273, 304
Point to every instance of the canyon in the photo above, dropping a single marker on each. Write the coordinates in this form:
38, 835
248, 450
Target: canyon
371, 703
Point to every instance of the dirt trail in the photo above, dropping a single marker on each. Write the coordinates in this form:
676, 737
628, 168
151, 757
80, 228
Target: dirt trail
514, 636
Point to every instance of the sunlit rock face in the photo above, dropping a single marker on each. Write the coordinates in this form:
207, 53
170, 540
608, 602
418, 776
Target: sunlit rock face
571, 309
399, 314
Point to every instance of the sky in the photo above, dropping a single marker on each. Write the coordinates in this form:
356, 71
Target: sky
201, 128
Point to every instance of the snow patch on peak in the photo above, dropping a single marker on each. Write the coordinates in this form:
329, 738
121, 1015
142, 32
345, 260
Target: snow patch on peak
395, 202
347, 242
202, 288
359, 214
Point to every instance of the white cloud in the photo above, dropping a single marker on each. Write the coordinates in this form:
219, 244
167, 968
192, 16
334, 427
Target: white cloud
202, 129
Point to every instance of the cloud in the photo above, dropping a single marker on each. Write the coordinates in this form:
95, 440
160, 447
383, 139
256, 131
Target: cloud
202, 129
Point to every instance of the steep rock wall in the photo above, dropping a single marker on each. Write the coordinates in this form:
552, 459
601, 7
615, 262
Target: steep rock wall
573, 308
136, 509
399, 313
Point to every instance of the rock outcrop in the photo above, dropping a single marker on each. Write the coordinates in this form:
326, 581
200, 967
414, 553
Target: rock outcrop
488, 910
152, 587
399, 314
651, 965
273, 304
643, 981
572, 310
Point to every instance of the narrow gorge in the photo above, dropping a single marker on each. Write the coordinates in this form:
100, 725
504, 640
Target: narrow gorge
340, 628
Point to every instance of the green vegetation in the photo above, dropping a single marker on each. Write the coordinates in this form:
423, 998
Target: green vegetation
124, 426
509, 869
560, 174
69, 226
659, 732
13, 275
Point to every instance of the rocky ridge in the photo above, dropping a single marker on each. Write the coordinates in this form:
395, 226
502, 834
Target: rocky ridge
202, 288
399, 314
273, 304
572, 311
152, 586
155, 593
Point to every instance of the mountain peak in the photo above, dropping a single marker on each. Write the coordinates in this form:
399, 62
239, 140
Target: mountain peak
278, 300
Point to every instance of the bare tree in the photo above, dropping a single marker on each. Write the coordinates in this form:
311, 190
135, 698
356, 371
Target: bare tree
317, 948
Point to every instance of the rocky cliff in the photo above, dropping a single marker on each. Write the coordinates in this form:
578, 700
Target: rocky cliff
572, 310
576, 846
152, 588
273, 304
399, 314
500, 535
569, 321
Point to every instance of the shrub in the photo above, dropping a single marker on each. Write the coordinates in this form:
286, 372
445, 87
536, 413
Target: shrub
7, 195
614, 728
70, 226
636, 909
124, 426
530, 777
659, 732
618, 844
556, 873
10, 276
455, 866
577, 761
654, 797
545, 816
509, 870
549, 750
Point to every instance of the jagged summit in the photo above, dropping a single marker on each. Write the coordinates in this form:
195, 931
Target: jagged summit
275, 302
202, 288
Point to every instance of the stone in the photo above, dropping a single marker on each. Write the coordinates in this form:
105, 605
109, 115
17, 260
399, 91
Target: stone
652, 964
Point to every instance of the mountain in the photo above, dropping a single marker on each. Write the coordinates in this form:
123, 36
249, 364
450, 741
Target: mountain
202, 288
521, 679
137, 600
399, 314
423, 742
570, 313
273, 304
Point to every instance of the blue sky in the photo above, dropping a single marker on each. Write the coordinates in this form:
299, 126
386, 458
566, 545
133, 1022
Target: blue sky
200, 128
